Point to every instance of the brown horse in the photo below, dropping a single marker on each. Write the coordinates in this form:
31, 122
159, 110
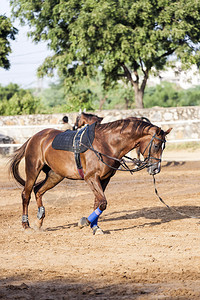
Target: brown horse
84, 118
112, 141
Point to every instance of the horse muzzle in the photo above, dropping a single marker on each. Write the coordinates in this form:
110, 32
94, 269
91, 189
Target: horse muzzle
154, 168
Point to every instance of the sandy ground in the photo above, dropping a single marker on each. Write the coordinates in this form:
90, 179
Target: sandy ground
147, 251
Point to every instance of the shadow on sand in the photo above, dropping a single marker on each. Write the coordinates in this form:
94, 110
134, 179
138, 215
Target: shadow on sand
66, 289
158, 215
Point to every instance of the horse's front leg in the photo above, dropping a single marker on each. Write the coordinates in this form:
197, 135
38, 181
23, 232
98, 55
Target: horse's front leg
104, 184
100, 204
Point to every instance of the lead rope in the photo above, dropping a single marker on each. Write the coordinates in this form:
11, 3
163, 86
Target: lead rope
171, 208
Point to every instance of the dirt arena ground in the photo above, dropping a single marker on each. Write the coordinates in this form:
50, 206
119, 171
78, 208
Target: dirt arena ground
147, 251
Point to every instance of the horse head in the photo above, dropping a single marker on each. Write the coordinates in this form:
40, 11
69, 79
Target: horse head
85, 118
151, 147
77, 122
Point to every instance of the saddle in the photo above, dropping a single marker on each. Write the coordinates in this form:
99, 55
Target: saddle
77, 141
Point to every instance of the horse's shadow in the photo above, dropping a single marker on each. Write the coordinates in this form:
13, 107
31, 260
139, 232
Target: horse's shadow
173, 163
158, 215
56, 228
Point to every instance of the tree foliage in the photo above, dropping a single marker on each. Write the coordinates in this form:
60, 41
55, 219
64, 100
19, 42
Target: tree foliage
125, 38
17, 101
169, 95
53, 96
89, 95
7, 33
165, 94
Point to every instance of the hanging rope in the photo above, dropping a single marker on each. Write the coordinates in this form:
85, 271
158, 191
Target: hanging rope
171, 208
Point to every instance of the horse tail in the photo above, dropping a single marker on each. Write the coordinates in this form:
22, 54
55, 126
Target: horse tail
15, 161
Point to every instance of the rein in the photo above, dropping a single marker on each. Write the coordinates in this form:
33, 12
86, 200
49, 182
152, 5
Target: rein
171, 208
140, 164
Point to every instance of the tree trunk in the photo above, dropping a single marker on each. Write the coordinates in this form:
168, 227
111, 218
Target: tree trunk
102, 101
139, 98
139, 90
127, 103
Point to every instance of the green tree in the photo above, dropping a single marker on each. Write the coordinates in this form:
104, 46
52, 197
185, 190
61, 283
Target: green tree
6, 92
169, 95
190, 97
118, 96
7, 33
54, 95
20, 104
86, 94
125, 38
77, 99
17, 101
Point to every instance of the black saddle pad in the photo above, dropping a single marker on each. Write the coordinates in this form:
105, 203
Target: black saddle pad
70, 140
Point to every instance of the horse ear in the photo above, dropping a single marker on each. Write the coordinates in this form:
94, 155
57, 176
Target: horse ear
80, 111
168, 131
84, 110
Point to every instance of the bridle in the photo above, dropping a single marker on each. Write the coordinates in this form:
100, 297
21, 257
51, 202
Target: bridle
149, 157
140, 164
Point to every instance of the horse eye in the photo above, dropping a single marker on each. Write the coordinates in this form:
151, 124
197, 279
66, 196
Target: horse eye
156, 146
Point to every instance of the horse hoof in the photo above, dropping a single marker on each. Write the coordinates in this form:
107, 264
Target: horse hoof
83, 222
97, 230
38, 223
25, 225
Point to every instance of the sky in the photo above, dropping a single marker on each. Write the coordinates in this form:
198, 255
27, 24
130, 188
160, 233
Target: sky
25, 58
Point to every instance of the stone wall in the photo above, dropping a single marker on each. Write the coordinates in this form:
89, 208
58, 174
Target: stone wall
184, 120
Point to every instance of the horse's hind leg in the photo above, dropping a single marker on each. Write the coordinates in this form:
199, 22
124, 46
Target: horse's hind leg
31, 176
26, 196
51, 180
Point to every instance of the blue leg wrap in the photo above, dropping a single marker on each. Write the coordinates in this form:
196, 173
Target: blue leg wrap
93, 218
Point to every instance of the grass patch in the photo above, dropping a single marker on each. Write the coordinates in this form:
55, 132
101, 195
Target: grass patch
183, 146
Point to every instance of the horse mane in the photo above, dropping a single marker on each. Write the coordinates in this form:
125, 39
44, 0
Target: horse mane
90, 116
138, 125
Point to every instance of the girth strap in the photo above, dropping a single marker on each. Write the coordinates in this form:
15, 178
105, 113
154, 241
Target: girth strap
76, 145
78, 164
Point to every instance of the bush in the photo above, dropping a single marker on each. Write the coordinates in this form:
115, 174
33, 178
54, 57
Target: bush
169, 95
16, 101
